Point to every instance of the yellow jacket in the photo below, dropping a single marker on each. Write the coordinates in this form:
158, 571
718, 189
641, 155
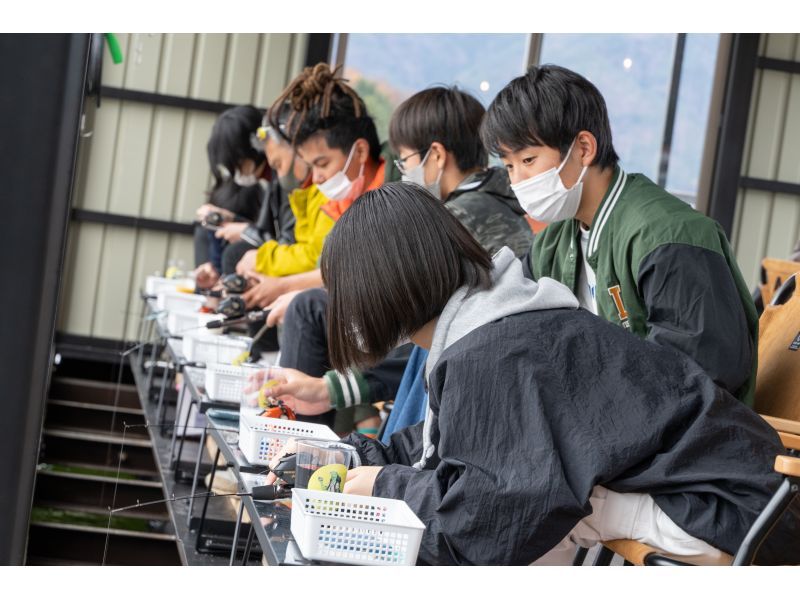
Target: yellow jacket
310, 230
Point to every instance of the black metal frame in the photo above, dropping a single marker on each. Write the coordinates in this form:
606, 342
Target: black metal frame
43, 78
154, 224
672, 108
776, 64
770, 186
733, 129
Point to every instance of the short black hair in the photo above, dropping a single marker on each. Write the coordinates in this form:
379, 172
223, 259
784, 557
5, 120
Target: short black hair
229, 143
444, 114
391, 264
323, 104
548, 106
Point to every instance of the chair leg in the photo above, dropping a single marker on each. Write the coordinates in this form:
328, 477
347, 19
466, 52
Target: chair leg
580, 556
603, 557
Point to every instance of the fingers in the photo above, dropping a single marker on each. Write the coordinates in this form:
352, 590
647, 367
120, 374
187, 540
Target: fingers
274, 318
353, 473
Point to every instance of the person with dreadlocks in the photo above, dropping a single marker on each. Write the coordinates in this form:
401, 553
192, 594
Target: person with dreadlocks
332, 131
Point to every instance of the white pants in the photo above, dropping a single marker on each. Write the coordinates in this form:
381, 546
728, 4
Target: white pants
632, 517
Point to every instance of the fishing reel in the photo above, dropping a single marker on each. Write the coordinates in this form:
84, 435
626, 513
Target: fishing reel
232, 307
234, 284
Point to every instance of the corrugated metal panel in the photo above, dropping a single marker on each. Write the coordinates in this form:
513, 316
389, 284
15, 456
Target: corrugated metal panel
768, 224
149, 161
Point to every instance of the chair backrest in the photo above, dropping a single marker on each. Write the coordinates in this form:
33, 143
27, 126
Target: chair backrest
774, 273
778, 378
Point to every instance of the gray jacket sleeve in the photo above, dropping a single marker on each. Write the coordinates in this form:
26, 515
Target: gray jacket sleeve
694, 306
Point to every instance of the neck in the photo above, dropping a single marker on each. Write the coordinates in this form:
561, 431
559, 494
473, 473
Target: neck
595, 187
370, 170
451, 179
424, 336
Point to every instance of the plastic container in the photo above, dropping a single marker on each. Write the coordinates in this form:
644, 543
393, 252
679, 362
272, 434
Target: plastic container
356, 530
180, 322
210, 348
175, 301
158, 284
263, 438
225, 382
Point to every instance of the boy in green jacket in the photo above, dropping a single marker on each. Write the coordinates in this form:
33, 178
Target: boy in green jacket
631, 252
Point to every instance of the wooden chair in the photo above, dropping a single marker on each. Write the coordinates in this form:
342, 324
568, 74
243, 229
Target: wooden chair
777, 401
774, 273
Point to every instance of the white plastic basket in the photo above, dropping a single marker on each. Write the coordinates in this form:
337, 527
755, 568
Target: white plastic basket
359, 530
156, 284
225, 382
180, 322
262, 438
211, 348
175, 301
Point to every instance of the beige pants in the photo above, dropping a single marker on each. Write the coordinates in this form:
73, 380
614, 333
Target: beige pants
632, 517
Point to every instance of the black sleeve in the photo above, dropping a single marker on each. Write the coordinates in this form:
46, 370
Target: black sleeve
384, 378
285, 218
498, 494
693, 305
404, 448
527, 271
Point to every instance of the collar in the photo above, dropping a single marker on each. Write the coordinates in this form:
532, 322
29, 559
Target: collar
606, 207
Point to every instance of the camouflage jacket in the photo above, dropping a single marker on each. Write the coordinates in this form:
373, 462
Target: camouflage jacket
486, 205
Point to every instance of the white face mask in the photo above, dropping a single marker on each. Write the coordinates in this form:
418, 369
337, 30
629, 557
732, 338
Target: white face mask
338, 186
544, 196
417, 175
244, 180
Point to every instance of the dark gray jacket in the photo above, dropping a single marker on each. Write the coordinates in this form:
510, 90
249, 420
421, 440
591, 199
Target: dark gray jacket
486, 205
535, 409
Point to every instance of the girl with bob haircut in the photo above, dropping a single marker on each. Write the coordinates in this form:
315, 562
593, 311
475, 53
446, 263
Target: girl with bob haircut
546, 426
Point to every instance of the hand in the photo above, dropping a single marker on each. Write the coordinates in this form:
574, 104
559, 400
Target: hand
300, 392
361, 480
264, 291
278, 308
231, 231
205, 276
288, 448
204, 211
247, 263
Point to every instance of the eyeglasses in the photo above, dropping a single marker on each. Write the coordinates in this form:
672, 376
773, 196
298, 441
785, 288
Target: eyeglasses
401, 162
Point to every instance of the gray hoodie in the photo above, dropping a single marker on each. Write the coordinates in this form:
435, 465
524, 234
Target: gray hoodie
510, 293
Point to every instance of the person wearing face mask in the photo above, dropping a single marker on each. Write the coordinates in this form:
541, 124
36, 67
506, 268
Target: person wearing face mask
631, 252
277, 220
436, 134
240, 181
331, 131
328, 125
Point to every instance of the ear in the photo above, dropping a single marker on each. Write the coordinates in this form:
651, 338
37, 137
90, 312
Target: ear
362, 151
438, 155
587, 147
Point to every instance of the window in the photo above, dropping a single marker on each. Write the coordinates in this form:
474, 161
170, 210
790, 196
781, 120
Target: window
634, 74
386, 69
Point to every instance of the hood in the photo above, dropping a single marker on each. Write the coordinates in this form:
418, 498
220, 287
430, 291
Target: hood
511, 293
493, 181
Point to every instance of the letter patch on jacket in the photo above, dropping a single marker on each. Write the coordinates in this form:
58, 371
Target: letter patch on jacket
616, 295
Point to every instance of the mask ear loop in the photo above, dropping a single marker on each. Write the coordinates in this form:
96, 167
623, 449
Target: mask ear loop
347, 163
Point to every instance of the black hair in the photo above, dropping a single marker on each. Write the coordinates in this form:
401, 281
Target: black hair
391, 264
230, 143
548, 106
444, 114
323, 104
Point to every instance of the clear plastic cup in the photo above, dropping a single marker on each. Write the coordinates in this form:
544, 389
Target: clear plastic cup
322, 464
259, 377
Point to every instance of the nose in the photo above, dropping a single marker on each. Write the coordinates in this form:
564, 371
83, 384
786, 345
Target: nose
317, 177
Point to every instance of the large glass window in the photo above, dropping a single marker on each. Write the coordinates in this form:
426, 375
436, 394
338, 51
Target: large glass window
387, 68
634, 74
